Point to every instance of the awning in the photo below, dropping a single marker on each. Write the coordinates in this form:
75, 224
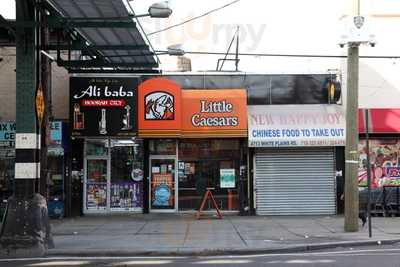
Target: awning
117, 45
380, 120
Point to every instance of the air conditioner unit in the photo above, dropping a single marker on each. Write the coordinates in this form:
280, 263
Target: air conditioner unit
356, 29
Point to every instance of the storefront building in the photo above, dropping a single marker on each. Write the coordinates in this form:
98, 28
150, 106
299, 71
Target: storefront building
196, 140
57, 149
294, 150
7, 162
384, 152
57, 141
109, 156
156, 143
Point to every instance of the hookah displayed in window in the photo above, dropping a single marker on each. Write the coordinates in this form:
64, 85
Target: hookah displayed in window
126, 120
102, 122
79, 119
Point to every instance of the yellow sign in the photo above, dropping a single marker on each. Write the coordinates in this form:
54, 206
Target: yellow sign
39, 104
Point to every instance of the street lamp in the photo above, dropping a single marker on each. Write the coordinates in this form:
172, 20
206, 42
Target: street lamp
175, 50
157, 10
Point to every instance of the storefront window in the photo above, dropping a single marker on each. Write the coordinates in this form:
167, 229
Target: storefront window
55, 181
96, 147
208, 164
126, 175
96, 187
384, 161
163, 184
162, 147
55, 185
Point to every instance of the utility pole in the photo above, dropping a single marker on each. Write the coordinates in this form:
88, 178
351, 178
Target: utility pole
351, 151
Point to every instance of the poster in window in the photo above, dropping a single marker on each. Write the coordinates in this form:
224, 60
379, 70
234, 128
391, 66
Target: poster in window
181, 165
126, 196
227, 178
96, 196
384, 161
162, 191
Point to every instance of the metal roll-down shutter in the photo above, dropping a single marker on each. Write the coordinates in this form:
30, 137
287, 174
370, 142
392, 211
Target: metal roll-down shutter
295, 181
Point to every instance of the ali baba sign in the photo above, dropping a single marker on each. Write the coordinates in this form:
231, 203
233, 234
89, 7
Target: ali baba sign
165, 110
103, 106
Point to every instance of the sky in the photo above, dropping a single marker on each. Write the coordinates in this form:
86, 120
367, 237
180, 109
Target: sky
267, 26
270, 26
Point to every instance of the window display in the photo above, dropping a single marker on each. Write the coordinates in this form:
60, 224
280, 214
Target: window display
114, 180
212, 164
96, 189
162, 184
96, 147
126, 175
385, 163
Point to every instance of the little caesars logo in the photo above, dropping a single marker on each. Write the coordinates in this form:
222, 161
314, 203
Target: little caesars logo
204, 117
159, 106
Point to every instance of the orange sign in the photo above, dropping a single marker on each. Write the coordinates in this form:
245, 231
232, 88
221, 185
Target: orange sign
165, 110
159, 108
39, 101
214, 113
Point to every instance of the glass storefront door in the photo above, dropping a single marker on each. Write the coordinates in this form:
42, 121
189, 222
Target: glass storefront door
113, 175
96, 184
126, 181
162, 183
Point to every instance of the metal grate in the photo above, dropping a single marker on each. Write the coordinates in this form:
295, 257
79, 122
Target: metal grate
295, 182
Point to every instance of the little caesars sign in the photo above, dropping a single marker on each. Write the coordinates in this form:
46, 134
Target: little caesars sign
214, 113
209, 111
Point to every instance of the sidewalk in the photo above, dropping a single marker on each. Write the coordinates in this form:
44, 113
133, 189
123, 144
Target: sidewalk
165, 234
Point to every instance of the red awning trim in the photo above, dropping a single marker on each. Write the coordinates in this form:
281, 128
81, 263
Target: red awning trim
380, 120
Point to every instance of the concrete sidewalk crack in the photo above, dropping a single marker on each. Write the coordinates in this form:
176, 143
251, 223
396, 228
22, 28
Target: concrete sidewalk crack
141, 228
186, 233
238, 233
288, 230
325, 227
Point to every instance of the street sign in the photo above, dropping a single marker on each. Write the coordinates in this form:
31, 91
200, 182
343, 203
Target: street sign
39, 104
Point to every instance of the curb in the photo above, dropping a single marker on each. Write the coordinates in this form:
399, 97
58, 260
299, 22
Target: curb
217, 252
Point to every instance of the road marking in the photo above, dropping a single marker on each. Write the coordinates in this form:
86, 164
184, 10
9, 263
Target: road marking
366, 252
294, 254
94, 258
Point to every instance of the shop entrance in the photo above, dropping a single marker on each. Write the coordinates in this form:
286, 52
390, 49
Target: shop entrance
113, 173
163, 183
96, 181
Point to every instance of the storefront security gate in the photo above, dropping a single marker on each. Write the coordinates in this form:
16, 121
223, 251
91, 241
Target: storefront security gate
295, 181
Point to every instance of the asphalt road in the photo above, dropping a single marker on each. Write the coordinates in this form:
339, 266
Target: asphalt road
363, 257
